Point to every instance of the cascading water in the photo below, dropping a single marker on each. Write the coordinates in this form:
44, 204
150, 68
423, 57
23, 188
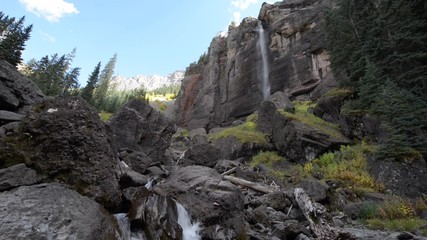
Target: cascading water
124, 227
190, 231
264, 71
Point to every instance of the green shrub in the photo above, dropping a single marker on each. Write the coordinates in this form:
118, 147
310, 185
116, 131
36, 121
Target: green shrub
266, 158
347, 166
105, 116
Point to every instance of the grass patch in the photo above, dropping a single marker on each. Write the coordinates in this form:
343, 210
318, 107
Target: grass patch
302, 115
347, 166
338, 92
105, 116
245, 133
410, 225
266, 158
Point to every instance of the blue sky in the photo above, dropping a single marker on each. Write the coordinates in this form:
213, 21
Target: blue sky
149, 37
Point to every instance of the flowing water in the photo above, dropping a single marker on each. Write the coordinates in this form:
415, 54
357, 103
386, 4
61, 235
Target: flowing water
190, 231
264, 70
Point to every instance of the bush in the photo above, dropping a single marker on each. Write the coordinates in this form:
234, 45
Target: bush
266, 158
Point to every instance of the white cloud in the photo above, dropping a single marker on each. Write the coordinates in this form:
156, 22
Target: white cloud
52, 10
243, 4
237, 17
48, 37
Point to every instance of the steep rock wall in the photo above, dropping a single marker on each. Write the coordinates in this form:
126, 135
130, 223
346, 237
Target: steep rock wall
227, 85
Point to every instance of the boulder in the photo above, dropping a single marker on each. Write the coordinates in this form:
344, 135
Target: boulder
281, 101
216, 203
404, 178
132, 179
17, 175
52, 211
203, 154
16, 91
137, 160
297, 141
231, 148
315, 189
139, 127
64, 139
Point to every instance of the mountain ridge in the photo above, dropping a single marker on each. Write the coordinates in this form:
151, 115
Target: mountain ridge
149, 82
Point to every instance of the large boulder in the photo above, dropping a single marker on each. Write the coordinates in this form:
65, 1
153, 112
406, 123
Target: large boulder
216, 203
52, 211
139, 127
16, 91
64, 139
296, 140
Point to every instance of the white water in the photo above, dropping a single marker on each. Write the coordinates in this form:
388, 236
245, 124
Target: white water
124, 227
264, 71
190, 231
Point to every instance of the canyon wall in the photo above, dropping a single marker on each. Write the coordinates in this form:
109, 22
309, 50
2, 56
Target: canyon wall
226, 84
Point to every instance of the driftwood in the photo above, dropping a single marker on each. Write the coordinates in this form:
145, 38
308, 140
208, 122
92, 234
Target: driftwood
228, 172
313, 213
252, 185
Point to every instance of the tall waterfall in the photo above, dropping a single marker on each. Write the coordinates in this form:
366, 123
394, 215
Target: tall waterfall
189, 230
264, 71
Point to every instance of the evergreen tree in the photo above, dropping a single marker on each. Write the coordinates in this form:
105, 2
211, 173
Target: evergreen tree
13, 35
87, 92
54, 75
101, 89
379, 48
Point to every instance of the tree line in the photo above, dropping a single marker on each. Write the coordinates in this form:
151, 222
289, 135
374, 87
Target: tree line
54, 74
379, 50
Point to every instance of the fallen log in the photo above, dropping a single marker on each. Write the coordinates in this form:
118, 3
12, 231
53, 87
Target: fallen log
245, 183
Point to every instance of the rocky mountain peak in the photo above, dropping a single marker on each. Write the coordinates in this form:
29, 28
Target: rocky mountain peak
149, 82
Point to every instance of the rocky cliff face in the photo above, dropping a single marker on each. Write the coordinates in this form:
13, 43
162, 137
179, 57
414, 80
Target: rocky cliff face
228, 84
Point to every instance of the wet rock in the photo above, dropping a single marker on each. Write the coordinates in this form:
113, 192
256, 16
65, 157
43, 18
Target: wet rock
214, 202
52, 211
17, 175
139, 127
157, 216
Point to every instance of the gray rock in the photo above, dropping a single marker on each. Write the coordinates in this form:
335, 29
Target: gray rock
7, 116
137, 160
52, 211
408, 178
214, 202
8, 129
315, 189
224, 165
132, 179
72, 145
281, 101
17, 175
231, 148
139, 127
197, 131
16, 91
204, 155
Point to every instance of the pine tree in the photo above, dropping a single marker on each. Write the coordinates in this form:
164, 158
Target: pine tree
13, 36
379, 48
87, 92
54, 75
104, 82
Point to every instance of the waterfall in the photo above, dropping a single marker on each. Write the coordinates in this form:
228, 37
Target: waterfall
189, 230
264, 71
124, 227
